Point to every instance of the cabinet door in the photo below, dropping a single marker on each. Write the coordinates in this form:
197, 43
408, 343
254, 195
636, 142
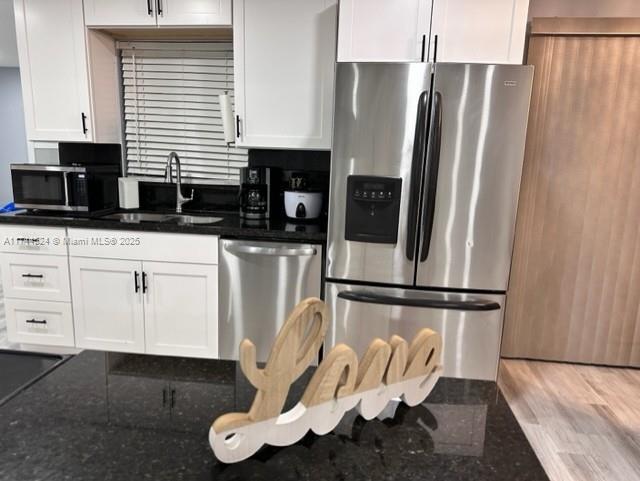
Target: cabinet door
284, 60
491, 31
119, 13
181, 309
53, 69
195, 404
108, 312
194, 12
383, 30
138, 402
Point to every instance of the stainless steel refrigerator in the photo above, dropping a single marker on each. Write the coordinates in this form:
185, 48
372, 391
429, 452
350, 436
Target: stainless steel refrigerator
425, 174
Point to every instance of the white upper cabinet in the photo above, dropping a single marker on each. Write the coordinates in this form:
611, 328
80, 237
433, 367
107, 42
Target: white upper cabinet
383, 30
69, 76
193, 12
162, 13
132, 13
53, 69
487, 31
284, 63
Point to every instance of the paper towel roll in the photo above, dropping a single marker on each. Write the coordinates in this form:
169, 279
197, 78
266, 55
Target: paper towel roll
128, 195
226, 112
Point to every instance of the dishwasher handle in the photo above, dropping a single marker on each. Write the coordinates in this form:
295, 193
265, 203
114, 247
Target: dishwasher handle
271, 251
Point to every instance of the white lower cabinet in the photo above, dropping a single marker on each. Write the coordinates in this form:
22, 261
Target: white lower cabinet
39, 322
181, 309
140, 292
140, 306
108, 308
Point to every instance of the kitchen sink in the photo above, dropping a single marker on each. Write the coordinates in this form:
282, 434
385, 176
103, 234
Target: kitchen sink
195, 219
137, 217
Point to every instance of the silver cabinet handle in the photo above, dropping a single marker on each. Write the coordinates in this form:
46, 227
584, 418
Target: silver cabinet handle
271, 251
65, 177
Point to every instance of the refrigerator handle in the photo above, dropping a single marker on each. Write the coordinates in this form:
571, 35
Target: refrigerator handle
431, 180
419, 148
388, 300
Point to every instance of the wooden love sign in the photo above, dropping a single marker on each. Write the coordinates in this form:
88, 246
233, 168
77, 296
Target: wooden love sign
388, 370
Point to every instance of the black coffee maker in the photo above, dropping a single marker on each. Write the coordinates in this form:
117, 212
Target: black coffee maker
258, 192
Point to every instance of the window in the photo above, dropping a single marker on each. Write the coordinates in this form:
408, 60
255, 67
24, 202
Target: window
171, 102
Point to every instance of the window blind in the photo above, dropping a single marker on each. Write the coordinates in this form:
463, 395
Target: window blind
171, 103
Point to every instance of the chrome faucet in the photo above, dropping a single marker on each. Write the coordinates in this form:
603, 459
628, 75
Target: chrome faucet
168, 177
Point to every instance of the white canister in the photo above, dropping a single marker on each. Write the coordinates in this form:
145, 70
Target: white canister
302, 205
128, 195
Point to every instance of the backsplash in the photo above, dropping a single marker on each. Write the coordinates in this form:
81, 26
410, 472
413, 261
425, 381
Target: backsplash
315, 163
206, 197
298, 160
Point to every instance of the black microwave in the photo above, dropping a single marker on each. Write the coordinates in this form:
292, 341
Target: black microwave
81, 189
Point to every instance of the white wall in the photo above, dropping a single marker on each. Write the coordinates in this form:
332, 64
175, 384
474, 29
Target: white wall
584, 8
13, 138
8, 49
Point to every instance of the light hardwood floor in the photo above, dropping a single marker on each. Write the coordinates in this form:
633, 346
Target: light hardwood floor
582, 421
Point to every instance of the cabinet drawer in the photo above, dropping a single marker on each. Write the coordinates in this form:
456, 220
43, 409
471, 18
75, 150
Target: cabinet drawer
39, 322
33, 240
144, 246
37, 277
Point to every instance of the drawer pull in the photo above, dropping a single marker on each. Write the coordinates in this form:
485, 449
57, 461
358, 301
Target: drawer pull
34, 276
36, 321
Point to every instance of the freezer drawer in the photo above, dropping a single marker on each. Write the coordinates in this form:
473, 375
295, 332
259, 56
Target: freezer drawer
259, 284
470, 324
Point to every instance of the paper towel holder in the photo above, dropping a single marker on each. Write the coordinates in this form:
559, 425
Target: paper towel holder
226, 113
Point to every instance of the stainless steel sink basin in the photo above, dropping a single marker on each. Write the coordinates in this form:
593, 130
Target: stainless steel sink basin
195, 219
136, 217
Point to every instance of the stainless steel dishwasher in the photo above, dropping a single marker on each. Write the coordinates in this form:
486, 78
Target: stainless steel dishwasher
259, 284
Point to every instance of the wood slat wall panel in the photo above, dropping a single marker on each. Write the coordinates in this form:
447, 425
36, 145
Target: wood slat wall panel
585, 26
575, 283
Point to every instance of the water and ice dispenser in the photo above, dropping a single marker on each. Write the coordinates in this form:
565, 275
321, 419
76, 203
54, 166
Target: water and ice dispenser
372, 209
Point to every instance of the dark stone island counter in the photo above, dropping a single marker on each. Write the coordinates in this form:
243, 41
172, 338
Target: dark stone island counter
131, 417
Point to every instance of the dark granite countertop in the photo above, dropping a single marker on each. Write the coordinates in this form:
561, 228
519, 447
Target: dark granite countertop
232, 226
128, 417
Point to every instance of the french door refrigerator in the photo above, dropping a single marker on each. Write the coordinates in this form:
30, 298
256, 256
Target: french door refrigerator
425, 174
